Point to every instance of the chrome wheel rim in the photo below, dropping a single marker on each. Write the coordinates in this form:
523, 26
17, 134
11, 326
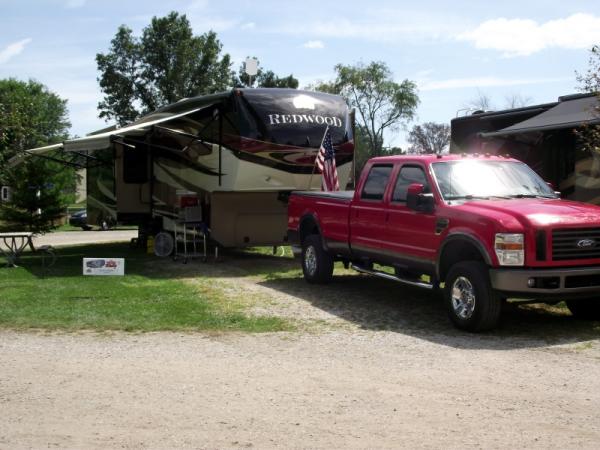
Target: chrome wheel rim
463, 298
310, 260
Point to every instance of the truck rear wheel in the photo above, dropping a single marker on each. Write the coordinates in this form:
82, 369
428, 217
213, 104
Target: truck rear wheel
470, 300
317, 264
586, 309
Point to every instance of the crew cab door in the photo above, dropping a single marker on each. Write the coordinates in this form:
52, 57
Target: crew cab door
367, 213
409, 234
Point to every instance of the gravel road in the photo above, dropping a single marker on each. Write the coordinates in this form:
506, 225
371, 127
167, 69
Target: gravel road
62, 238
335, 389
372, 366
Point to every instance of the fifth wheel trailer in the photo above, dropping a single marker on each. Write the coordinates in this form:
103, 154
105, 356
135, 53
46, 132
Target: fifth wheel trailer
236, 155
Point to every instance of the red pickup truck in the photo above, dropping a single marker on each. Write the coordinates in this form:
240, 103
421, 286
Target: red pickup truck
485, 228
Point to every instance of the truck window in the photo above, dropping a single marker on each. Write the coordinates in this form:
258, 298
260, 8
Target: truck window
407, 176
376, 182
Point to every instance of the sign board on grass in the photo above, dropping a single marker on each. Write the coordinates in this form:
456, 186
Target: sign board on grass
104, 266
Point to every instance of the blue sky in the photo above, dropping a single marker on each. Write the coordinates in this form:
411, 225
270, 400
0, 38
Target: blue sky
455, 51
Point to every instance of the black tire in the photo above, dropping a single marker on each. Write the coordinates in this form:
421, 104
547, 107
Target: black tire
478, 307
317, 264
585, 309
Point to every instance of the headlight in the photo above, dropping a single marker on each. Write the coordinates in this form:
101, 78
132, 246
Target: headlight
510, 249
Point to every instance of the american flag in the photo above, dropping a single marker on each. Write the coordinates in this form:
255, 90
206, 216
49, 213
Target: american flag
326, 164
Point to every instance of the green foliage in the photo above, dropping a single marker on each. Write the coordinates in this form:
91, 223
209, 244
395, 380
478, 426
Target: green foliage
167, 63
264, 79
380, 102
30, 116
588, 136
430, 137
41, 191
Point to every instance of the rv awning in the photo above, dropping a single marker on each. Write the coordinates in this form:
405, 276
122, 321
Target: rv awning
103, 140
569, 113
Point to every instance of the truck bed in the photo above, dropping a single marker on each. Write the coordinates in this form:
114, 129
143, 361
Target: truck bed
332, 210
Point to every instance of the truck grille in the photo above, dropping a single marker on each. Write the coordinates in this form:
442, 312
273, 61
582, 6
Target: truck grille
575, 243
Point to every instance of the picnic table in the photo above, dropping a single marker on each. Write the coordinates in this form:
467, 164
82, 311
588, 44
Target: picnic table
13, 244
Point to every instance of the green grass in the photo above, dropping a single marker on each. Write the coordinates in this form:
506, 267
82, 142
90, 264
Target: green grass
154, 295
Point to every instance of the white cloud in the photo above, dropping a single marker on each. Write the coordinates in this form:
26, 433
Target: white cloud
313, 44
379, 25
13, 50
248, 26
457, 83
75, 3
522, 37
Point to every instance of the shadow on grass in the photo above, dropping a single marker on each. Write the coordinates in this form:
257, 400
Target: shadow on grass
376, 304
231, 263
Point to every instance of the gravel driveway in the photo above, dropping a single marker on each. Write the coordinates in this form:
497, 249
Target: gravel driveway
62, 238
335, 389
373, 365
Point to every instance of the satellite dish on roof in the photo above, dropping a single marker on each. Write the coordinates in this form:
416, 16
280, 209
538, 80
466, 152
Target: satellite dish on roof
251, 69
251, 66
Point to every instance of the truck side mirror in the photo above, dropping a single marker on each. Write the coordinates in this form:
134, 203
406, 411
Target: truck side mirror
417, 199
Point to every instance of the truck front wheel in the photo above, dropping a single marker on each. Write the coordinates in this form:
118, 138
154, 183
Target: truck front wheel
586, 309
317, 264
470, 300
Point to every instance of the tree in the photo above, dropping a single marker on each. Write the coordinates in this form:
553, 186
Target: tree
515, 100
380, 102
483, 102
590, 80
264, 79
589, 135
167, 63
32, 116
430, 137
41, 191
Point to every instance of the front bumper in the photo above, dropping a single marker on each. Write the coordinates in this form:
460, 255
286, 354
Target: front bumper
579, 281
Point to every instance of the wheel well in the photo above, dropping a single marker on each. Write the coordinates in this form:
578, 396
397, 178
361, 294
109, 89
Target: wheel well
308, 226
456, 251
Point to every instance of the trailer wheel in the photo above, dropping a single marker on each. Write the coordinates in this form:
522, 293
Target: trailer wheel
585, 309
164, 244
317, 264
470, 300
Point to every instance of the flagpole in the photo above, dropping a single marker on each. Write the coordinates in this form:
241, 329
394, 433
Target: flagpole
317, 157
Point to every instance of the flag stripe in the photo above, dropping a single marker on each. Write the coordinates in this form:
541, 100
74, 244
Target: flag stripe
326, 164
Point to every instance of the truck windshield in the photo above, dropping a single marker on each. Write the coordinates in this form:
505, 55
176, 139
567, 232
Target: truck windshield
469, 179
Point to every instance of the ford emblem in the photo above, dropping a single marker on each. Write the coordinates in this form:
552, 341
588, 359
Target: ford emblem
585, 243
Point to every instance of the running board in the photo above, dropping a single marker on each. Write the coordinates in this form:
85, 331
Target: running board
387, 276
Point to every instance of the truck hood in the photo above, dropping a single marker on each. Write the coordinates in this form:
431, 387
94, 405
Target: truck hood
535, 212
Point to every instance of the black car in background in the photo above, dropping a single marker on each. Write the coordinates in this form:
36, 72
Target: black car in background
79, 219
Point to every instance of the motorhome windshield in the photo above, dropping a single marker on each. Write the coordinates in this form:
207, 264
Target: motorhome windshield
293, 118
472, 179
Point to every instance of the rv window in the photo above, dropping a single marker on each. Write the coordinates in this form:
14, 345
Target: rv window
135, 165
